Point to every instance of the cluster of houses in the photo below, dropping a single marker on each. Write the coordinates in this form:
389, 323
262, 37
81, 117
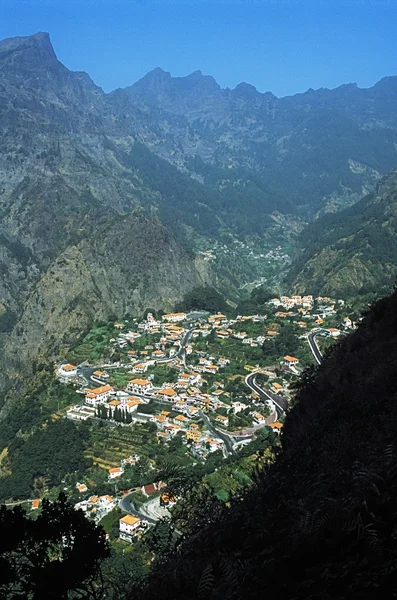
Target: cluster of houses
185, 396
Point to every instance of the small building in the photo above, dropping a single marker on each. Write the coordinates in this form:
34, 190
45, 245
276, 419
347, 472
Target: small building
36, 503
128, 527
277, 387
142, 386
132, 404
101, 374
334, 332
167, 499
194, 435
277, 427
222, 420
98, 395
139, 368
181, 420
152, 488
174, 317
167, 394
290, 361
116, 472
68, 370
81, 488
258, 419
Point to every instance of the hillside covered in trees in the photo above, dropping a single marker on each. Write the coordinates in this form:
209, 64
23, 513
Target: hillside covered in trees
321, 521
352, 251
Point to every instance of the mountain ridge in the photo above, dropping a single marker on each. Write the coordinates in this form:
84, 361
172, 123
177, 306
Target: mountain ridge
75, 160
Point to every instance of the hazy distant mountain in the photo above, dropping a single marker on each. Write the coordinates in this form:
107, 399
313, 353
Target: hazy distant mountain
323, 148
353, 251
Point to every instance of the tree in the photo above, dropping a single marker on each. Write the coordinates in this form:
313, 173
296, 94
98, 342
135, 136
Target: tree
53, 557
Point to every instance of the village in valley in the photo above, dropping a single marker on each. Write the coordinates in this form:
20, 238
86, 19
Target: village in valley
198, 383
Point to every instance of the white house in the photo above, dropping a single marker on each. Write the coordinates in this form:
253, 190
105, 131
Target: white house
258, 419
98, 395
116, 472
174, 317
128, 527
137, 386
167, 393
140, 368
68, 370
334, 332
290, 361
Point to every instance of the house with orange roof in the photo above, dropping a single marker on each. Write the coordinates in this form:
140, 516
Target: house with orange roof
258, 419
139, 368
277, 387
132, 404
128, 527
35, 504
222, 420
81, 488
181, 420
68, 370
106, 502
115, 472
334, 332
277, 427
290, 361
167, 394
98, 395
142, 386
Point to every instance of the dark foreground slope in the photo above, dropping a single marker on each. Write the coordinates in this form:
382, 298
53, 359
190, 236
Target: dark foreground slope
353, 251
322, 522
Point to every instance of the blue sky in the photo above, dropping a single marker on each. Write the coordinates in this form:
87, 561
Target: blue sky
283, 46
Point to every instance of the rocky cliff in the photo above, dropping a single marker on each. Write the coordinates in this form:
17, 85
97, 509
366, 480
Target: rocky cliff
77, 242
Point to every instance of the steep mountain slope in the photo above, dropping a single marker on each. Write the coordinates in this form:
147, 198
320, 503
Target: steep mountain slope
353, 251
318, 150
75, 163
322, 521
76, 238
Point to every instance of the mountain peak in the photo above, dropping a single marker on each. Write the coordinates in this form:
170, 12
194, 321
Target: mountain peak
245, 89
39, 41
196, 74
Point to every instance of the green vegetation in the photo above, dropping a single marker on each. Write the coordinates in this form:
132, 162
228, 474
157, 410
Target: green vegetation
203, 298
94, 345
353, 251
44, 458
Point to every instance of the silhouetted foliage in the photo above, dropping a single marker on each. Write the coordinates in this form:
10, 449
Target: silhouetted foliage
55, 557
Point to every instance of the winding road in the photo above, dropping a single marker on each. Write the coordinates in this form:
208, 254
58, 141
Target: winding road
311, 338
228, 440
127, 506
279, 403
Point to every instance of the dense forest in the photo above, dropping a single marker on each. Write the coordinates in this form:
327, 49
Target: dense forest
351, 251
44, 458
